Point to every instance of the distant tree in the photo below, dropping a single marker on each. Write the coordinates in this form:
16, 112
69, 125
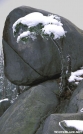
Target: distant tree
7, 89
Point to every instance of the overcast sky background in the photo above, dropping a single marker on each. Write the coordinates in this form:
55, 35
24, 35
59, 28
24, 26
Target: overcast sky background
70, 9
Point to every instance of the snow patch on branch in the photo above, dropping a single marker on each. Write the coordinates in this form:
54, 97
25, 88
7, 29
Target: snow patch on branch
26, 34
76, 76
6, 99
51, 24
57, 31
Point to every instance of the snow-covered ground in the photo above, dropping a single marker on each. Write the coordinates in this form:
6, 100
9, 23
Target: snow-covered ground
76, 76
51, 24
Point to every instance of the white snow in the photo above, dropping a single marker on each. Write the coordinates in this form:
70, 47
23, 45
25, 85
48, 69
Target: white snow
76, 76
6, 99
78, 124
57, 31
25, 34
51, 24
81, 110
54, 16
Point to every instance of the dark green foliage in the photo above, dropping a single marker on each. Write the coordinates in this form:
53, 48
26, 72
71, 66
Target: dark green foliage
18, 26
24, 39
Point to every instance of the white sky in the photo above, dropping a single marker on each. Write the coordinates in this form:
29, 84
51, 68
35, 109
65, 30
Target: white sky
70, 9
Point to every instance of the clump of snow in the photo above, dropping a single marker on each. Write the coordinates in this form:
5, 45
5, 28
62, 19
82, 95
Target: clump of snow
13, 99
54, 17
78, 124
50, 24
33, 19
76, 76
81, 110
57, 31
25, 34
6, 99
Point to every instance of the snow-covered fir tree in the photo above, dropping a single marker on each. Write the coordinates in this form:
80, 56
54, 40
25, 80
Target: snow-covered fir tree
47, 27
